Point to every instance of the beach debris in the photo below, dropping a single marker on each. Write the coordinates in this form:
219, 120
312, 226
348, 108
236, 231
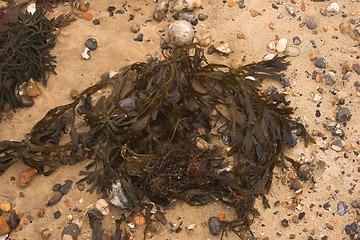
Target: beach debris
214, 225
27, 176
117, 196
329, 78
91, 44
181, 33
6, 206
333, 8
4, 227
31, 89
103, 206
311, 22
224, 48
281, 45
72, 230
139, 219
86, 54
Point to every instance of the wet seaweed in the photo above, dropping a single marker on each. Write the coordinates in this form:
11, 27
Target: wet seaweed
25, 52
156, 131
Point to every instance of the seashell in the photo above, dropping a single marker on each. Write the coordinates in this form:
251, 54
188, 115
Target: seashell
281, 45
86, 54
202, 144
31, 8
102, 206
139, 219
31, 89
272, 45
224, 48
268, 57
117, 196
181, 33
236, 63
113, 74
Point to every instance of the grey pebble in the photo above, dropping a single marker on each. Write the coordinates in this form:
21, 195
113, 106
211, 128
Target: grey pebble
241, 3
57, 214
188, 15
328, 79
56, 187
331, 125
356, 68
354, 204
342, 208
202, 17
91, 43
128, 103
285, 223
347, 75
81, 187
323, 12
96, 21
105, 76
65, 188
280, 16
135, 28
285, 80
343, 115
139, 38
310, 22
329, 226
214, 225
338, 132
337, 145
327, 206
296, 185
320, 63
54, 199
296, 40
290, 9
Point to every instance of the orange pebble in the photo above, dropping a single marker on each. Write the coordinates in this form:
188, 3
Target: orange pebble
326, 28
292, 175
272, 26
67, 203
139, 219
222, 217
41, 213
231, 3
87, 16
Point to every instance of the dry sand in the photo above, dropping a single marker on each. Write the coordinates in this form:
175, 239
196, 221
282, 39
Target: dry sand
338, 182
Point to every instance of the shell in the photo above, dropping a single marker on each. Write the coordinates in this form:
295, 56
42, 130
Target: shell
117, 196
181, 33
103, 206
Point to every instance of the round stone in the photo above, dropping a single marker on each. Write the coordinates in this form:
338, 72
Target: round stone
281, 45
320, 63
91, 43
310, 23
296, 40
333, 8
135, 28
96, 21
188, 15
181, 33
292, 51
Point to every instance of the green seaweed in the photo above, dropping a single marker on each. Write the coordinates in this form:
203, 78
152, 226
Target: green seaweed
145, 133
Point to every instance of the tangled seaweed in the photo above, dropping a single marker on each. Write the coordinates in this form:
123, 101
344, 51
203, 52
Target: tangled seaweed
153, 131
25, 52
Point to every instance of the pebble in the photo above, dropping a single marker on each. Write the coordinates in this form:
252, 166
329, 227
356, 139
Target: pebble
204, 42
120, 11
31, 89
306, 170
158, 16
86, 54
329, 226
91, 43
4, 227
194, 22
5, 206
341, 95
202, 17
65, 188
320, 63
56, 187
323, 12
281, 45
290, 9
354, 204
139, 38
54, 199
356, 68
111, 8
310, 22
328, 79
331, 125
338, 132
241, 4
357, 30
188, 15
181, 33
96, 21
81, 187
296, 40
342, 208
135, 28
280, 16
347, 75
103, 206
139, 219
224, 48
27, 176
333, 8
72, 230
285, 223
317, 97
296, 185
327, 206
292, 51
343, 115
268, 57
13, 221
87, 16
295, 219
285, 80
338, 145
236, 63
57, 214
214, 225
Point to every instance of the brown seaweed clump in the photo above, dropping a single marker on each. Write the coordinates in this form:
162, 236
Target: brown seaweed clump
157, 132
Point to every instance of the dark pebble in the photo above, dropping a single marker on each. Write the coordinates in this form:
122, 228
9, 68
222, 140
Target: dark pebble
274, 6
353, 227
310, 23
179, 229
306, 171
65, 188
317, 113
96, 21
77, 210
54, 199
111, 14
13, 221
296, 185
347, 229
12, 178
105, 76
56, 187
120, 11
338, 132
214, 225
81, 187
71, 229
343, 115
57, 214
111, 8
241, 3
320, 63
21, 194
324, 238
327, 206
354, 204
323, 12
139, 38
211, 49
342, 208
91, 43
296, 40
194, 22
202, 17
161, 217
176, 16
285, 223
356, 68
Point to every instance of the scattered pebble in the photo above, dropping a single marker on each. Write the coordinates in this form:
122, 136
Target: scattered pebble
310, 22
342, 208
328, 78
214, 225
343, 114
189, 15
241, 4
333, 8
65, 188
292, 51
54, 199
96, 21
4, 227
224, 48
91, 43
290, 9
27, 176
285, 223
86, 54
281, 45
57, 214
268, 57
320, 63
139, 38
181, 33
337, 145
135, 28
5, 206
202, 17
296, 40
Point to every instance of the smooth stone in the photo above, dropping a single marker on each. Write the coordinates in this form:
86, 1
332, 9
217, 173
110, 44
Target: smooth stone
328, 79
310, 22
281, 45
128, 103
113, 74
202, 17
139, 38
285, 80
91, 43
268, 57
337, 145
194, 22
317, 97
320, 63
214, 225
338, 132
346, 75
333, 8
65, 188
54, 199
57, 214
135, 28
342, 208
188, 15
96, 21
241, 4
292, 51
181, 33
323, 12
343, 115
356, 68
331, 125
296, 40
296, 185
13, 221
347, 49
290, 9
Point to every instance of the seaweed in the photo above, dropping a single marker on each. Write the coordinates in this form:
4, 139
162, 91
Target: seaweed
25, 52
155, 131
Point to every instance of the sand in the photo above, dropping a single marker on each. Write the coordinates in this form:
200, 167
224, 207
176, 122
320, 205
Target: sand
337, 182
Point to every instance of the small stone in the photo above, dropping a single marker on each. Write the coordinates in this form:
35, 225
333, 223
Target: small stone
327, 206
87, 16
31, 89
91, 43
310, 22
331, 125
268, 57
194, 22
120, 11
86, 54
329, 226
57, 214
320, 63
158, 16
281, 45
81, 187
204, 42
161, 217
295, 219
354, 204
329, 78
139, 38
317, 97
333, 8
323, 12
240, 35
56, 187
113, 75
111, 8
224, 48
202, 17
13, 221
96, 21
241, 4
296, 185
306, 170
188, 15
181, 33
342, 208
341, 95
103, 206
54, 199
139, 219
26, 177
357, 30
343, 115
65, 188
292, 51
292, 236
338, 132
296, 40
347, 75
280, 16
236, 63
285, 223
290, 9
337, 145
285, 80
231, 3
4, 227
135, 28
5, 206
214, 225
356, 68
211, 50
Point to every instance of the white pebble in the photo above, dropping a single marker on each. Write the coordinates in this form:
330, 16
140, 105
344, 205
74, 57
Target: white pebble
333, 8
86, 54
281, 45
268, 56
181, 33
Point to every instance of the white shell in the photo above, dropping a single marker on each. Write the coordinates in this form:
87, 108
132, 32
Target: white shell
181, 33
117, 196
224, 48
103, 206
31, 8
86, 54
113, 74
